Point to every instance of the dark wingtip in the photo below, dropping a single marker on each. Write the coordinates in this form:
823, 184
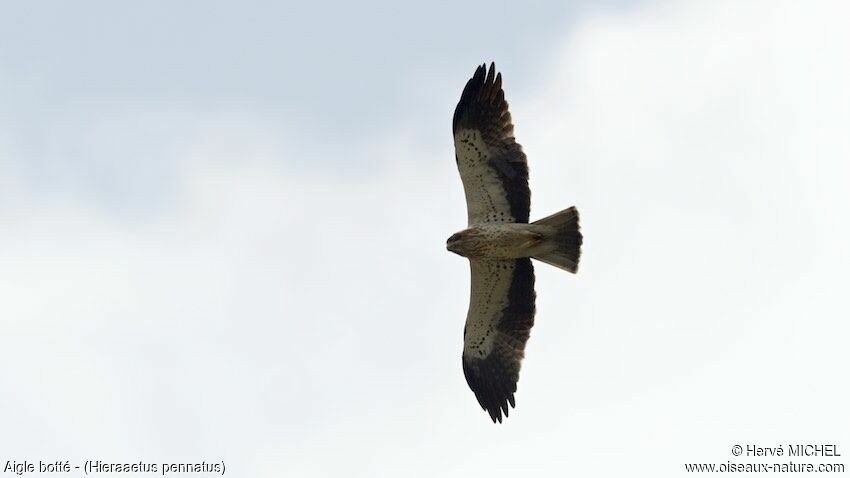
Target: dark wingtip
497, 409
491, 75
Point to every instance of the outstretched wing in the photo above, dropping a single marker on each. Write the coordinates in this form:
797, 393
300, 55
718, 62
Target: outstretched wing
501, 314
492, 165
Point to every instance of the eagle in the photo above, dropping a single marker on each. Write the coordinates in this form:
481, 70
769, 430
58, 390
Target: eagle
500, 242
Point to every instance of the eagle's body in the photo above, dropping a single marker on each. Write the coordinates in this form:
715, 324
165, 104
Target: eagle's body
500, 242
496, 241
510, 240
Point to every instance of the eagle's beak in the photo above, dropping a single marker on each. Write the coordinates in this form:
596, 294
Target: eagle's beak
452, 244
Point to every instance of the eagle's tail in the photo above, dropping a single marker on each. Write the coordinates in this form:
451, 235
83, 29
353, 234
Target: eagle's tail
566, 238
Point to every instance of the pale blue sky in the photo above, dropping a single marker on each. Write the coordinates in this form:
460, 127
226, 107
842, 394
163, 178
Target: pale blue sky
332, 73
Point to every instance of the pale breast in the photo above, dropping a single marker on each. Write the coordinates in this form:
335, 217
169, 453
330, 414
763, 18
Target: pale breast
507, 241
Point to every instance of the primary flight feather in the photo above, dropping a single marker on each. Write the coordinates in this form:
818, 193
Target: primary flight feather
499, 241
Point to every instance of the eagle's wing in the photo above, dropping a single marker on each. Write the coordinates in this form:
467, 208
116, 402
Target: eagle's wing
491, 163
501, 314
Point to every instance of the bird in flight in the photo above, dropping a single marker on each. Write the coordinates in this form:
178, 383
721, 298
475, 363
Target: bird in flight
500, 242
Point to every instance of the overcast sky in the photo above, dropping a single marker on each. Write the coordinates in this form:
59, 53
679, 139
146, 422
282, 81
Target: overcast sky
222, 234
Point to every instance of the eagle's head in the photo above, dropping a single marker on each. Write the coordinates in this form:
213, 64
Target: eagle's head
464, 243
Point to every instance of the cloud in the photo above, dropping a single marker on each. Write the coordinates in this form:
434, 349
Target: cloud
284, 314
